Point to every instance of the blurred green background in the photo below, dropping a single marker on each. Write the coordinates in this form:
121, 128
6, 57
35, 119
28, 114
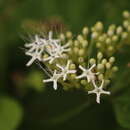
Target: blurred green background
24, 102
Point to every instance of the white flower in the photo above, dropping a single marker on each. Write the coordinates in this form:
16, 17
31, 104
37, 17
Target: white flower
57, 52
35, 55
87, 73
98, 91
37, 43
53, 79
51, 40
65, 70
52, 57
36, 50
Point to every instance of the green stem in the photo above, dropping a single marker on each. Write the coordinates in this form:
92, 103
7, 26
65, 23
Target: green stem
68, 115
90, 49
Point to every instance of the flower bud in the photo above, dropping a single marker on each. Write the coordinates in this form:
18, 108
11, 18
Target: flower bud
100, 77
110, 48
112, 59
85, 31
99, 26
99, 55
80, 38
108, 41
69, 34
94, 35
92, 61
98, 44
115, 38
76, 50
108, 65
104, 61
119, 30
83, 82
126, 14
72, 66
115, 68
80, 59
62, 37
84, 43
126, 23
100, 66
76, 43
110, 33
81, 52
124, 35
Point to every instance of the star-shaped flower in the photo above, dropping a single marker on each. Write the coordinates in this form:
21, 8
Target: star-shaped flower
65, 70
52, 57
53, 79
98, 91
51, 39
35, 55
57, 52
36, 43
36, 49
87, 73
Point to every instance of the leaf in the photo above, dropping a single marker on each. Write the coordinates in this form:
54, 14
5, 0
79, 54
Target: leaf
122, 109
10, 113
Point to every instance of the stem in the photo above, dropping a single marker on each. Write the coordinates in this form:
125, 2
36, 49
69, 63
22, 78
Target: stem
68, 115
90, 49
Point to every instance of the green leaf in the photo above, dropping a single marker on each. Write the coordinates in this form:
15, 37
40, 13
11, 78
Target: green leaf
122, 109
10, 113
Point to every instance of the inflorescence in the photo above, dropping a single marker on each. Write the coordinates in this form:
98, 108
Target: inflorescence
82, 62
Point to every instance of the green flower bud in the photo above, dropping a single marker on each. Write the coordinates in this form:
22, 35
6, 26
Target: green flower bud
112, 59
69, 34
83, 82
94, 35
76, 43
108, 65
73, 76
76, 50
85, 31
98, 44
80, 38
108, 41
45, 56
84, 43
112, 27
107, 82
100, 77
72, 66
104, 61
115, 68
126, 14
81, 52
124, 35
126, 23
62, 37
92, 61
99, 26
70, 42
99, 55
110, 33
80, 59
100, 66
119, 30
110, 48
115, 38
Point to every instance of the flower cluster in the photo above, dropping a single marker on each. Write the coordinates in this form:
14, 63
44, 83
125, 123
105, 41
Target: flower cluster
84, 61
